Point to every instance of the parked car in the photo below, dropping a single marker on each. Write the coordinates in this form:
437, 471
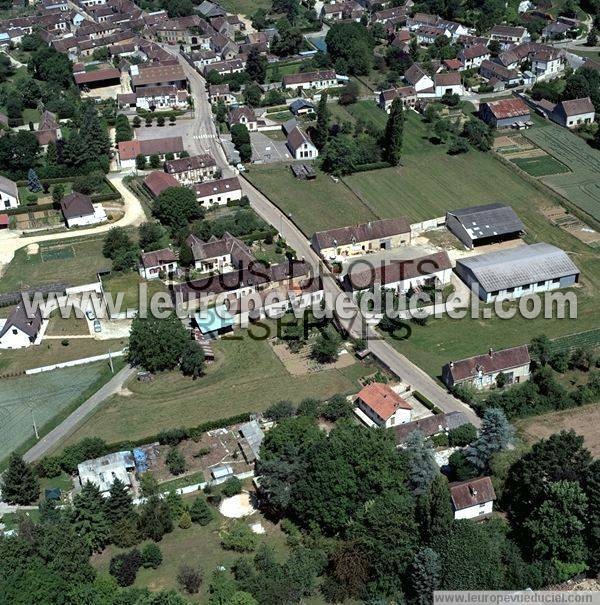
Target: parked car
97, 326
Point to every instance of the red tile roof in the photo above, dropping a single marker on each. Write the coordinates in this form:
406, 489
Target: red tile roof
382, 400
472, 492
158, 181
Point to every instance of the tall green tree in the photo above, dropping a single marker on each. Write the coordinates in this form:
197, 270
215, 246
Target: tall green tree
394, 133
320, 134
422, 468
157, 344
556, 527
435, 510
119, 503
19, 483
89, 518
495, 435
425, 575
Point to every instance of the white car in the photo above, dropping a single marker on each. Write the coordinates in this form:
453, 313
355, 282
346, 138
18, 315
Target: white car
90, 314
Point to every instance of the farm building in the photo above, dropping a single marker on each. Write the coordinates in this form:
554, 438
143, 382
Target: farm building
482, 225
473, 499
482, 371
430, 425
574, 113
157, 182
401, 276
378, 405
518, 271
385, 234
103, 471
504, 113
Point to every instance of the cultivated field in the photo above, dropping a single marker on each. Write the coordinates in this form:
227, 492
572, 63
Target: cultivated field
47, 395
540, 166
246, 377
582, 185
584, 421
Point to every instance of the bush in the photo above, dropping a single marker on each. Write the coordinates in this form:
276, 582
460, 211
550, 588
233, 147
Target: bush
200, 511
231, 487
440, 440
175, 461
462, 435
124, 567
151, 556
280, 410
239, 538
189, 579
172, 436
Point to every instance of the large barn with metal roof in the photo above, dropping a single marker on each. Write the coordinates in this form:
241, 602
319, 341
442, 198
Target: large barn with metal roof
518, 271
481, 225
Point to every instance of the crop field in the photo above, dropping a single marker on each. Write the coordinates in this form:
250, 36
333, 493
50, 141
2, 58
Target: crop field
582, 185
540, 166
45, 395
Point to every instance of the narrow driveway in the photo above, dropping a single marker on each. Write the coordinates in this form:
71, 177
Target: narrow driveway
68, 425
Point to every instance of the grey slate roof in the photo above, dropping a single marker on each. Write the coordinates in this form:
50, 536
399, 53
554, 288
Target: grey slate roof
519, 266
488, 220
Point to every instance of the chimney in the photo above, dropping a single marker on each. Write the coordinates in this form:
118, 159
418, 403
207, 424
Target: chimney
491, 352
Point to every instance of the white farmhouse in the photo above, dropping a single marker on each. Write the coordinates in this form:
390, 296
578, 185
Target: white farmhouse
300, 146
473, 499
20, 330
218, 193
79, 211
9, 194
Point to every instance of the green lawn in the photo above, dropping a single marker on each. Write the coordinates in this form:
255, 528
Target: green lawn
540, 166
246, 377
53, 351
26, 271
199, 547
129, 285
315, 205
245, 7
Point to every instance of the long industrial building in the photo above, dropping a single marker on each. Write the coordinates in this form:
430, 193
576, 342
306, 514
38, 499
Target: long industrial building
518, 271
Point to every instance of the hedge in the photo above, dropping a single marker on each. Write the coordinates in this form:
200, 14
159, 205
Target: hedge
371, 166
427, 403
27, 209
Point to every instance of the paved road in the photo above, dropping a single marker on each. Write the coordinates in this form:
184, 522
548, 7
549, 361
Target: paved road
134, 215
66, 427
205, 133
